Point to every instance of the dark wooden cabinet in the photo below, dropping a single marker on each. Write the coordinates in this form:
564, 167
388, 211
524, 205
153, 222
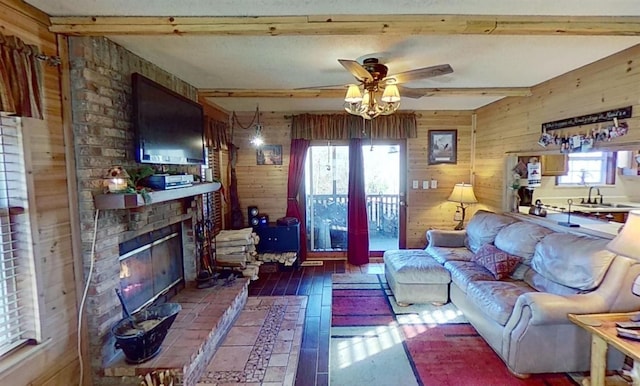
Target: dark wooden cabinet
278, 239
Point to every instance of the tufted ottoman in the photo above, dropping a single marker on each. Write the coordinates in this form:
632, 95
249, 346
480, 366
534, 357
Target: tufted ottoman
415, 277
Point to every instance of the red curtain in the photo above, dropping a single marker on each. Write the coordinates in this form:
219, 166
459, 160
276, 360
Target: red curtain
297, 158
357, 224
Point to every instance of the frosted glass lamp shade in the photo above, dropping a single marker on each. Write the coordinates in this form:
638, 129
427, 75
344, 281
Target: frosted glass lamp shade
353, 94
391, 94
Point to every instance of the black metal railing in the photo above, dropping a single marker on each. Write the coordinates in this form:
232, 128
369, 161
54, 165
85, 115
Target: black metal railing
330, 217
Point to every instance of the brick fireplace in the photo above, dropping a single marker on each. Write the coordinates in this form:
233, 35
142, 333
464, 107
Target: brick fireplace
103, 137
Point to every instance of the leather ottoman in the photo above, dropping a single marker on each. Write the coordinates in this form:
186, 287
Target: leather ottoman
415, 277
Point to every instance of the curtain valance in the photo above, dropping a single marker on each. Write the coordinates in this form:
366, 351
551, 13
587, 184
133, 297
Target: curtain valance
20, 78
346, 126
216, 134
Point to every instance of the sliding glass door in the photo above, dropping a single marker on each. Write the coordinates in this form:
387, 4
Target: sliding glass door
326, 184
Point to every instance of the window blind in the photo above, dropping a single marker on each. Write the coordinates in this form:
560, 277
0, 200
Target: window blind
17, 322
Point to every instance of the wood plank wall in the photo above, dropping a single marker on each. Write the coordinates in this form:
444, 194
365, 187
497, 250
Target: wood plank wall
266, 185
55, 362
514, 124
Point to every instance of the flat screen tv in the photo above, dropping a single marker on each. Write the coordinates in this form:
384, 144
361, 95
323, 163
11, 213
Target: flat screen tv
168, 126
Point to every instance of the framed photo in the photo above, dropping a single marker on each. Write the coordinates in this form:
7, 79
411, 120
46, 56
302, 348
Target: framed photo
269, 155
443, 147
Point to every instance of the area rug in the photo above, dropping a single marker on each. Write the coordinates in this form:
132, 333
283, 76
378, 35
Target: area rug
263, 346
423, 344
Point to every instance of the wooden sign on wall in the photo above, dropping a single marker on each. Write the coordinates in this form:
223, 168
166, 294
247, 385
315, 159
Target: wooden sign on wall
604, 116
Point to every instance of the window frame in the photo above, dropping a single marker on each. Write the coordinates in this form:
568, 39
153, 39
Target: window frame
607, 173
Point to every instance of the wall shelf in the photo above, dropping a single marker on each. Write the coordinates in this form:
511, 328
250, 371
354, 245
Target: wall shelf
130, 200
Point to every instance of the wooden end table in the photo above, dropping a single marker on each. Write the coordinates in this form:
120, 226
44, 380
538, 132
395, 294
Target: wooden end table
602, 328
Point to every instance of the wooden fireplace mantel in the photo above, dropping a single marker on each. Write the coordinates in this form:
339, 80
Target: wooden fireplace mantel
131, 200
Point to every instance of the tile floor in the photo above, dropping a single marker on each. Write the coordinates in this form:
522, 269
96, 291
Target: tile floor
262, 347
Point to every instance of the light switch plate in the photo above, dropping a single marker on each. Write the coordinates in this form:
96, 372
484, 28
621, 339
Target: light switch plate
415, 184
425, 184
434, 184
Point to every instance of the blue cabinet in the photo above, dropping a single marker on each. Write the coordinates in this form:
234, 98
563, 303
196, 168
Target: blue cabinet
278, 239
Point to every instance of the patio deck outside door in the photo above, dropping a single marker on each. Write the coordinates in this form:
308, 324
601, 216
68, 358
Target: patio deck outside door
326, 182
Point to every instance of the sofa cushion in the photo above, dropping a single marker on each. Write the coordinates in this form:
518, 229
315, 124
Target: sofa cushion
542, 284
414, 266
465, 272
483, 228
444, 254
496, 298
574, 261
520, 239
498, 262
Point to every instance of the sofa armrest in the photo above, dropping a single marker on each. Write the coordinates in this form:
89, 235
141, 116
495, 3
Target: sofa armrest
446, 238
547, 308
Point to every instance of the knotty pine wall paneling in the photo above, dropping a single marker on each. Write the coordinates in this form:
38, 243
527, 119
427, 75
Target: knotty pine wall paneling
55, 361
513, 125
266, 185
429, 208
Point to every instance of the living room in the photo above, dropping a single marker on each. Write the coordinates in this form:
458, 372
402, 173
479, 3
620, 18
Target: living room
67, 172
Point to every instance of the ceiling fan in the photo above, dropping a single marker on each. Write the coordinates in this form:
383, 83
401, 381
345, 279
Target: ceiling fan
362, 98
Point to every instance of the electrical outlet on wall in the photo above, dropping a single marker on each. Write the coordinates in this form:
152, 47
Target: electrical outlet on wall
415, 184
434, 184
425, 184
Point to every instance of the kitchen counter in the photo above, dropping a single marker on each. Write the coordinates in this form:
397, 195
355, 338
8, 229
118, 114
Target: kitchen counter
588, 226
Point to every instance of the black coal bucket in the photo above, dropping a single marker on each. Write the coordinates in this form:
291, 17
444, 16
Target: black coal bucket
141, 334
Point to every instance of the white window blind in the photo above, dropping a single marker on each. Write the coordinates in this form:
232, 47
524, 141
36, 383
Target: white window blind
17, 306
585, 168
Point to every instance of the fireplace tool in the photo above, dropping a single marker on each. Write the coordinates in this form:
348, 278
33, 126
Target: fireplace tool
140, 335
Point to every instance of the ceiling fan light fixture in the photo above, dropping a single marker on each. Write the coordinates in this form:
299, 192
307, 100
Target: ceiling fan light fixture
372, 104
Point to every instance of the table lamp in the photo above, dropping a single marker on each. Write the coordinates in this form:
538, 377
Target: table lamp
627, 243
462, 194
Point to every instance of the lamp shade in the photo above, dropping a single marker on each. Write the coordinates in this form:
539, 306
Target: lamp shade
391, 94
353, 94
627, 242
463, 193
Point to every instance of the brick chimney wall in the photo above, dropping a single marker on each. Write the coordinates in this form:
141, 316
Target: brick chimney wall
103, 136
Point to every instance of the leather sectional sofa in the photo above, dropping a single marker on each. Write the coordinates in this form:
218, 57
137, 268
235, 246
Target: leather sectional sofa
523, 315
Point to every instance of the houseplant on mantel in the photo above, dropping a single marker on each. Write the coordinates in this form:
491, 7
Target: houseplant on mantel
120, 181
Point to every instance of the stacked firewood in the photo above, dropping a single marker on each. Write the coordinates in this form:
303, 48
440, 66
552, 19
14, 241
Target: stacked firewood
236, 249
286, 258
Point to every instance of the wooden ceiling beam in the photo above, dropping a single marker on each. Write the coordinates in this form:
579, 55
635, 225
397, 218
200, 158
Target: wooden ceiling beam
340, 92
350, 25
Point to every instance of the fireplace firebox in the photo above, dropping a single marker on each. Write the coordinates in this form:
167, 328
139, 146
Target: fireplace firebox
151, 266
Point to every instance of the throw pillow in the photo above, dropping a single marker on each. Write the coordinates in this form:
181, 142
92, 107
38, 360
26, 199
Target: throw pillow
500, 263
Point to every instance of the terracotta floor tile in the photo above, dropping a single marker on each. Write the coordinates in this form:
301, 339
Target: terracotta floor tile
242, 336
230, 358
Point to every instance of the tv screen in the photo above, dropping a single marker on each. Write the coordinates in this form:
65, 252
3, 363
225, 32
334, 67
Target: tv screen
168, 126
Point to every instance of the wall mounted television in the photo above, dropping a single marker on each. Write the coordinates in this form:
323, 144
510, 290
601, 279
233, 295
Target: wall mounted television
169, 127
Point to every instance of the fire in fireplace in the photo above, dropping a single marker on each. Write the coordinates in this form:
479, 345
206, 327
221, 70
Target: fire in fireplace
151, 265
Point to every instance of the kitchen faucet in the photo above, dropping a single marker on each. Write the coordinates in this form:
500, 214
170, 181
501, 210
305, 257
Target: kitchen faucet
595, 201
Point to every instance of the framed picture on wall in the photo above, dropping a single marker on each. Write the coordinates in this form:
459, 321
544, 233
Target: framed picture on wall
269, 155
443, 146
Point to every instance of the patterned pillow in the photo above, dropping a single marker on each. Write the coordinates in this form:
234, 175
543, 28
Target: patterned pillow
498, 262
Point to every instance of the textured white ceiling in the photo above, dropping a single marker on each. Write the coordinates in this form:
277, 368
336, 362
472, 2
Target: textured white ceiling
286, 62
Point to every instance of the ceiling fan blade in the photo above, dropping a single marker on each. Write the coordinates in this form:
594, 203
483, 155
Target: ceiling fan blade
411, 92
421, 73
356, 70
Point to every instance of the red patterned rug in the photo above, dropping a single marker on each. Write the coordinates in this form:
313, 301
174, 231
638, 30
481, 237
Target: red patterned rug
439, 354
454, 354
360, 307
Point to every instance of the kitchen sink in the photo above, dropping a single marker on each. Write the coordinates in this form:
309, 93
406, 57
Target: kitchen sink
606, 205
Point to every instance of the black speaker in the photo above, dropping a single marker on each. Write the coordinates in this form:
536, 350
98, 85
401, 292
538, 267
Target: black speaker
253, 216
